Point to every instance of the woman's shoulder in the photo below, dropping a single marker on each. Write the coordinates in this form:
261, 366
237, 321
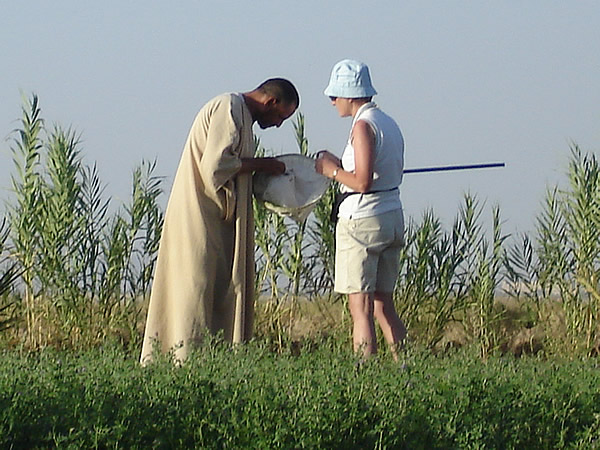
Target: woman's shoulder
381, 118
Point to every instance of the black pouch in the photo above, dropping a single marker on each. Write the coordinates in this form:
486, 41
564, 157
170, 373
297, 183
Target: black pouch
337, 201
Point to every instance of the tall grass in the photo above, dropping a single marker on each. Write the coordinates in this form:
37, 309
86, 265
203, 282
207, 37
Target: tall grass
82, 268
484, 287
294, 259
7, 278
75, 269
561, 267
26, 209
450, 277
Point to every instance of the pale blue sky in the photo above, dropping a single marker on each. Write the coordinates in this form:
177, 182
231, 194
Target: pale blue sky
478, 81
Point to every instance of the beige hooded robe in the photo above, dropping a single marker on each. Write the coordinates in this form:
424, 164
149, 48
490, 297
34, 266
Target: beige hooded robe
204, 276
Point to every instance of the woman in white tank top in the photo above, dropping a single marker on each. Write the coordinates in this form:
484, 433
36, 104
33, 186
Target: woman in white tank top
370, 229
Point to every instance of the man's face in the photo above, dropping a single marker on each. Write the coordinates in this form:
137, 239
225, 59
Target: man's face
275, 113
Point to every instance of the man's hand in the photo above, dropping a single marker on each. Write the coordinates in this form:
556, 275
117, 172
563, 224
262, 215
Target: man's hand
272, 166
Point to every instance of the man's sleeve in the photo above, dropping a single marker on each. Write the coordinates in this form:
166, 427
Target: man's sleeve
221, 157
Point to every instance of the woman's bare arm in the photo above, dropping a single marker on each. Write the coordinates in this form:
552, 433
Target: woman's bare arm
363, 141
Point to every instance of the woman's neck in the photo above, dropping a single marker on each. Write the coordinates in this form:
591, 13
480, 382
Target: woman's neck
356, 104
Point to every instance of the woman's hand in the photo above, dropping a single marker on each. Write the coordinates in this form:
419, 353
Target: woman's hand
359, 180
327, 154
326, 163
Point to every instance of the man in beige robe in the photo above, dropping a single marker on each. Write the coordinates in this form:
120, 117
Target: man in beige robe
204, 277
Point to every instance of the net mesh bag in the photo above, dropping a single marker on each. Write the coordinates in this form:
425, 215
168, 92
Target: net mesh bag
294, 193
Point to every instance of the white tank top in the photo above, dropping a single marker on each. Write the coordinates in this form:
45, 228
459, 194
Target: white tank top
388, 166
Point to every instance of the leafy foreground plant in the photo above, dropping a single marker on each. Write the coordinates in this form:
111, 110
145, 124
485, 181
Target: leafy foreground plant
248, 397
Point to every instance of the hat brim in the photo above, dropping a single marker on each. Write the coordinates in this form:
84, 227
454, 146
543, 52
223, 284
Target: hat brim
349, 91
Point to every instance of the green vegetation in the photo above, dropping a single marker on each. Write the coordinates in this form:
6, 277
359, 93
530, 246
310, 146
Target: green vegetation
75, 274
76, 270
249, 397
82, 270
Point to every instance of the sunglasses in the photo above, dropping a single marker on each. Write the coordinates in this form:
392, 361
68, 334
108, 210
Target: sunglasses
333, 99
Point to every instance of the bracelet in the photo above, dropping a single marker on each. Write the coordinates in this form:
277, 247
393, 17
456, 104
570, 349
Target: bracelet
335, 172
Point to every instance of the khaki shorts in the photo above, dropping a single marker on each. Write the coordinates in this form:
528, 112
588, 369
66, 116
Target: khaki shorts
367, 253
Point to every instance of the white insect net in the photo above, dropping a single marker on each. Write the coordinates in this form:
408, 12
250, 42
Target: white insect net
296, 192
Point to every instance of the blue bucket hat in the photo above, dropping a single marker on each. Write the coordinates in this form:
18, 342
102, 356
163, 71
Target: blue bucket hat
350, 79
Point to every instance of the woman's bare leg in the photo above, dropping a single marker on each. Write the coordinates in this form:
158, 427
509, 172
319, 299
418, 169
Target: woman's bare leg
363, 335
392, 327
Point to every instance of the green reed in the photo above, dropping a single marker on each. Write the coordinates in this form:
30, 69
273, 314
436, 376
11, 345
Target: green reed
8, 277
81, 268
485, 285
24, 214
559, 269
445, 274
564, 269
287, 260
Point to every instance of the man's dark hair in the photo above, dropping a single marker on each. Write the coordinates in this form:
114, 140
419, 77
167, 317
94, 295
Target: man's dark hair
282, 89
